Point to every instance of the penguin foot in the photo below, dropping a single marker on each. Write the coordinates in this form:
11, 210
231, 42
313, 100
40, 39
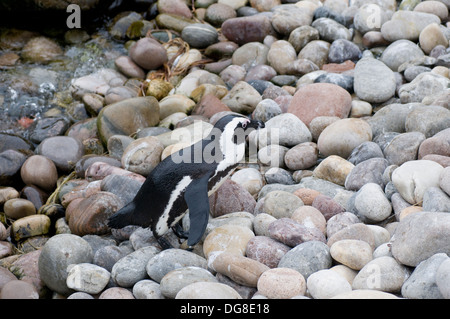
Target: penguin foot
180, 232
164, 243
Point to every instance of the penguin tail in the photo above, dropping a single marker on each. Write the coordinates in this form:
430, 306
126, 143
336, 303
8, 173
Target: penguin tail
123, 217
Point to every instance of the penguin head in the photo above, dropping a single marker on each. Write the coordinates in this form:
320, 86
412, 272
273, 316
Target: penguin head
240, 126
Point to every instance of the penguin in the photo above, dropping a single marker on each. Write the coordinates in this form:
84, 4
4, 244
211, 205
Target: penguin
184, 180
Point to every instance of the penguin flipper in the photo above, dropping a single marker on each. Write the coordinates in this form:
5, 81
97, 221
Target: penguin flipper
196, 197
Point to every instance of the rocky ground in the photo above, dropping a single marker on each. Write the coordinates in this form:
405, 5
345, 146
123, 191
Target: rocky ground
345, 193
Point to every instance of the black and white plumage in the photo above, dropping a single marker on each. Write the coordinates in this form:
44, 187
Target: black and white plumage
184, 181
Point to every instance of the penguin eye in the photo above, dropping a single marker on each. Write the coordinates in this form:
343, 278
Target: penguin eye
244, 125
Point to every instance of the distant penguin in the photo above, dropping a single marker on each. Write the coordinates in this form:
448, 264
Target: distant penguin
184, 180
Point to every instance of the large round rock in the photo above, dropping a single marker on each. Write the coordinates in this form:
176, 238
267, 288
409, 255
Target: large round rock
59, 252
127, 117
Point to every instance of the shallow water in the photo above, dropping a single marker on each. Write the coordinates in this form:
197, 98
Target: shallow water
28, 90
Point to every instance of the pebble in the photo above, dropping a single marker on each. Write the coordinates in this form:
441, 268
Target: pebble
162, 263
334, 169
229, 238
242, 270
351, 229
281, 283
342, 136
422, 282
367, 171
127, 66
442, 278
88, 278
218, 13
255, 27
143, 112
391, 275
18, 289
242, 98
89, 215
276, 132
307, 258
64, 151
147, 289
142, 155
330, 30
292, 233
132, 268
249, 178
231, 197
207, 290
374, 82
261, 224
311, 217
403, 148
145, 48
424, 173
177, 279
326, 283
302, 156
59, 252
280, 204
199, 35
16, 208
327, 206
399, 52
266, 250
425, 84
116, 293
41, 50
411, 244
328, 100
29, 226
352, 253
407, 25
370, 204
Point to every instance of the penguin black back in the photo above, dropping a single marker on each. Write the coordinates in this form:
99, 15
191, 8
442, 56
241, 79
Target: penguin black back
185, 179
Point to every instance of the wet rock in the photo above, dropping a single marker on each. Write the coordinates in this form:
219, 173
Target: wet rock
127, 117
41, 50
218, 13
145, 48
127, 66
